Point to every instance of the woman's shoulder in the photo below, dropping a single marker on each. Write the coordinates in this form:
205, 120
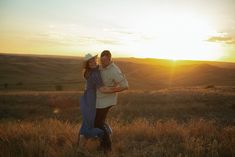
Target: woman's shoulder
95, 72
96, 77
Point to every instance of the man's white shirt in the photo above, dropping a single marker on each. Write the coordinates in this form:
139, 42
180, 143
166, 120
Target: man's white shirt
111, 76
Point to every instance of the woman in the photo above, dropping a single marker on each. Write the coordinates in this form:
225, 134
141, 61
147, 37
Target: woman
88, 99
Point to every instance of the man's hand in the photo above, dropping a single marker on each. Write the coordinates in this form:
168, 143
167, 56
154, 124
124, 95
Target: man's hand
120, 89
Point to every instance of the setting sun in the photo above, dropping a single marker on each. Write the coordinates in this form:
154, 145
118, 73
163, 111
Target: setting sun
177, 39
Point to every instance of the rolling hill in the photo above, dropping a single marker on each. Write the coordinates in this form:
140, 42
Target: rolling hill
35, 72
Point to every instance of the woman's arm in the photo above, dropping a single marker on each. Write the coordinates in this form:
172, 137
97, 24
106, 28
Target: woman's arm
104, 89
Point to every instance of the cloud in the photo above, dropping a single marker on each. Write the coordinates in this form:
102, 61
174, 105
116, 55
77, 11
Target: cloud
60, 39
93, 40
121, 31
108, 41
222, 39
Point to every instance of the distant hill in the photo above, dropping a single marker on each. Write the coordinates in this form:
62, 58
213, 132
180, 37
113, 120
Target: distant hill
34, 72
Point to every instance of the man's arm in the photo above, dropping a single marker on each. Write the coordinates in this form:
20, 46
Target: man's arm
104, 89
120, 80
97, 80
120, 89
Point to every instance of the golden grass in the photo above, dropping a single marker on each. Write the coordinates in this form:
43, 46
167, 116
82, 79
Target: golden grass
55, 138
192, 122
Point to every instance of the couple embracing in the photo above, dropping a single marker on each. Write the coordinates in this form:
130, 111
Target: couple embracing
103, 82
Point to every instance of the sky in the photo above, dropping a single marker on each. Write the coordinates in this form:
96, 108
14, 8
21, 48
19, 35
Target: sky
171, 29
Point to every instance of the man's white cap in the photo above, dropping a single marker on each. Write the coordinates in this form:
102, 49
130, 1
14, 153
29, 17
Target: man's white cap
88, 56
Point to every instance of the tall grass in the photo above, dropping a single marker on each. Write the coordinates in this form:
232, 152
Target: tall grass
192, 122
173, 103
54, 138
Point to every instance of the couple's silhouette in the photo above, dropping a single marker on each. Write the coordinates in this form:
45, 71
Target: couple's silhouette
103, 82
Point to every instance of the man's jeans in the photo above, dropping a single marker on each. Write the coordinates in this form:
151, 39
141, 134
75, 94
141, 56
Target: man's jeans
101, 114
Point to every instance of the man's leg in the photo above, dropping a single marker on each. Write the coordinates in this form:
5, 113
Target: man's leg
101, 114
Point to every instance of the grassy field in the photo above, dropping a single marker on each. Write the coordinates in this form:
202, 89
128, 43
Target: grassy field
139, 138
173, 108
189, 121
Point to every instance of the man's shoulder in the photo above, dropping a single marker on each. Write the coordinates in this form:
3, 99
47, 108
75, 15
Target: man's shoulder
115, 67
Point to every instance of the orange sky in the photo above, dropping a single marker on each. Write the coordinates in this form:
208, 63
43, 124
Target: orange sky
179, 29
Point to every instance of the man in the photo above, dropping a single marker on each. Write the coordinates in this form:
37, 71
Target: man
111, 76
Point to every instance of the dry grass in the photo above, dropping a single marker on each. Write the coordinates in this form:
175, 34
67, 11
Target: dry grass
192, 122
55, 138
181, 104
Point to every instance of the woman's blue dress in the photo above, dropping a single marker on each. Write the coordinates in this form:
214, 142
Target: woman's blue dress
88, 105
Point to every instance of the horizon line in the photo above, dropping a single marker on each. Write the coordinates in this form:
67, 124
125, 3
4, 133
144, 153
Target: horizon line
72, 55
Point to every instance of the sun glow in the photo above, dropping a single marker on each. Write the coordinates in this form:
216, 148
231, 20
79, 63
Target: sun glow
178, 36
